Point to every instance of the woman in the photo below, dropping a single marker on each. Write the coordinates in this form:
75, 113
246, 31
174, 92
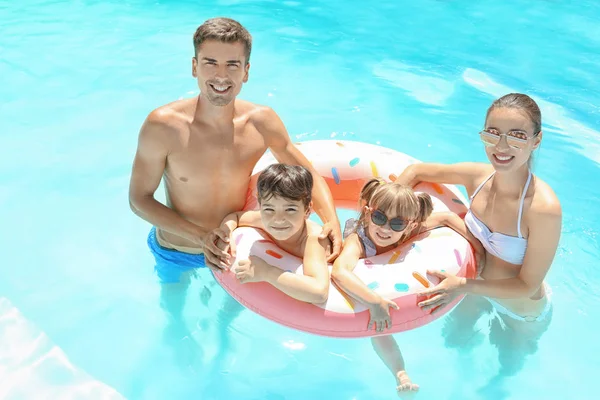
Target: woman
515, 215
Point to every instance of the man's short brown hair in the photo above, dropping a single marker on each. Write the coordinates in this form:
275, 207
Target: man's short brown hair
224, 30
290, 182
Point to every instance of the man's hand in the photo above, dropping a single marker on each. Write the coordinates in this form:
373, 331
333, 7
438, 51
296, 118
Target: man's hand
216, 250
334, 233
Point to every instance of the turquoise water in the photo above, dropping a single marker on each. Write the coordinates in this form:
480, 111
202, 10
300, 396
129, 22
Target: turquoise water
79, 77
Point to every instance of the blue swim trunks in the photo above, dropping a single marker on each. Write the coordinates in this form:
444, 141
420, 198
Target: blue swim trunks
170, 264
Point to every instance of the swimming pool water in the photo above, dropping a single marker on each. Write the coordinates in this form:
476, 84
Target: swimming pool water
79, 77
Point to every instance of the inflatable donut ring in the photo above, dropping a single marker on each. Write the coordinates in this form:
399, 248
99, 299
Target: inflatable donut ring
397, 275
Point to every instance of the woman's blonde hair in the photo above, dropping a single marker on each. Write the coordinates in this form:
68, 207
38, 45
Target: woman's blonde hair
395, 199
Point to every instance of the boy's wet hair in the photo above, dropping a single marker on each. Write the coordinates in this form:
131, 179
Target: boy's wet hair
290, 182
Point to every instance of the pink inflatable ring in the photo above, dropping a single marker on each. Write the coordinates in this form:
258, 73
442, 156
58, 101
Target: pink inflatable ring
396, 275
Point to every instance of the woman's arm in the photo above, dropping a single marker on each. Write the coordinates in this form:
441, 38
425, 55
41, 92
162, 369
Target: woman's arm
436, 220
453, 174
542, 243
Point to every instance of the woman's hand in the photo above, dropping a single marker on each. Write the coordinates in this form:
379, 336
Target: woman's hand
443, 293
380, 315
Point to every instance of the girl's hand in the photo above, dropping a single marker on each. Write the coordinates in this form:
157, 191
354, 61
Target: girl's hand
380, 315
443, 293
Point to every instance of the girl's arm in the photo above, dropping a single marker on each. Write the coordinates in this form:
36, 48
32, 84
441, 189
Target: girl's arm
343, 275
457, 224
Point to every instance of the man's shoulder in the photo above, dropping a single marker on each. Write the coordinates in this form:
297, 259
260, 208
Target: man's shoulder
266, 121
176, 111
256, 113
170, 117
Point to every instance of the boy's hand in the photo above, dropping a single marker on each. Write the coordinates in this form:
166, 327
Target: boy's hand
255, 269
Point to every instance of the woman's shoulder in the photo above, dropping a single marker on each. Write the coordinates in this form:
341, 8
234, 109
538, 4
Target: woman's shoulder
472, 173
478, 170
545, 202
481, 171
471, 169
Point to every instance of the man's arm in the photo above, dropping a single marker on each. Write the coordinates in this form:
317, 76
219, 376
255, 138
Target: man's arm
276, 137
154, 142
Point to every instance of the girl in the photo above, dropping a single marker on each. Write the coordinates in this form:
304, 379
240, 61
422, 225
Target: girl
390, 214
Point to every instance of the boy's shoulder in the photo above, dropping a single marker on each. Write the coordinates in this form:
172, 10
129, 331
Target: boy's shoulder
312, 228
313, 232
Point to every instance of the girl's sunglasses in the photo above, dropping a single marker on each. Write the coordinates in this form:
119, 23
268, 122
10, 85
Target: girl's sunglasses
516, 139
396, 224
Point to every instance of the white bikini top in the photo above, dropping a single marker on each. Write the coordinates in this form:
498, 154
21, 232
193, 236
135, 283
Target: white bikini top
508, 248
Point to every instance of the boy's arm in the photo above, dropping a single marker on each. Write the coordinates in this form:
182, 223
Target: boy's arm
242, 218
225, 229
311, 287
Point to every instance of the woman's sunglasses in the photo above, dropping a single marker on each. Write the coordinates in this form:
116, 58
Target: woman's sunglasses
516, 139
396, 224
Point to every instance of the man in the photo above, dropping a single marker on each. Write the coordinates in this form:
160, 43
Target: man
205, 148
